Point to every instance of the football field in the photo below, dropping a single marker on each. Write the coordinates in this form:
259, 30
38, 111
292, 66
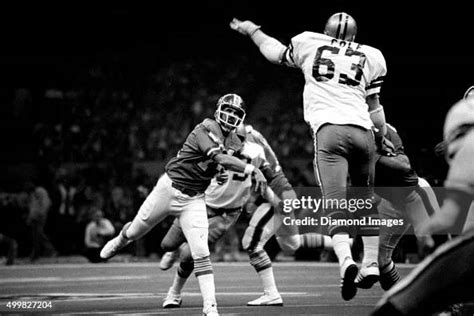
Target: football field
307, 288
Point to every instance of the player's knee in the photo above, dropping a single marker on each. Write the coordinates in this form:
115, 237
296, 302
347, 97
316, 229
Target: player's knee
199, 249
289, 244
185, 254
216, 231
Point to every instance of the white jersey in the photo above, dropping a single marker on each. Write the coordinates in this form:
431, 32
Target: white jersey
339, 75
236, 191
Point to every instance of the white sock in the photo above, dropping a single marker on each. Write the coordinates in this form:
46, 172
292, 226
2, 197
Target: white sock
268, 281
371, 248
208, 290
342, 247
178, 284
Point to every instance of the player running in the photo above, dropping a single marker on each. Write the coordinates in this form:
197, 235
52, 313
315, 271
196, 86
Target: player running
180, 190
342, 84
446, 276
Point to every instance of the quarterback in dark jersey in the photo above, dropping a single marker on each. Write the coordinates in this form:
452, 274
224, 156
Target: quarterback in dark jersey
180, 190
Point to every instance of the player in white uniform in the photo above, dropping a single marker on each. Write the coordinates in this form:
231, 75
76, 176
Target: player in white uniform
446, 276
342, 82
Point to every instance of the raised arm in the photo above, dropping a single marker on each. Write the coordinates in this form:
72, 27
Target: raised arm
270, 47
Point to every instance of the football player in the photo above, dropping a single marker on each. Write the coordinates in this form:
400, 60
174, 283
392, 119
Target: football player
225, 203
446, 276
180, 190
404, 196
341, 105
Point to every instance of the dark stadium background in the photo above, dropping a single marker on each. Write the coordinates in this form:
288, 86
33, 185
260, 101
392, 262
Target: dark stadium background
92, 47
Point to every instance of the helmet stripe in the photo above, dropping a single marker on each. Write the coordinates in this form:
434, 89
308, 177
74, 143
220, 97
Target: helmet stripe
345, 28
338, 32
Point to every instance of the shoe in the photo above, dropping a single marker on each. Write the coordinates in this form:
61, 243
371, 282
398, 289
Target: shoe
172, 301
210, 310
168, 259
389, 276
368, 276
114, 245
267, 300
348, 287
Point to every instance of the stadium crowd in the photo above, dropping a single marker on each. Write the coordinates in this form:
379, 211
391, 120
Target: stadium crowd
85, 136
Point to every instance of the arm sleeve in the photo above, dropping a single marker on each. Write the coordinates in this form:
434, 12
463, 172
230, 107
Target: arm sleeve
208, 143
378, 70
270, 47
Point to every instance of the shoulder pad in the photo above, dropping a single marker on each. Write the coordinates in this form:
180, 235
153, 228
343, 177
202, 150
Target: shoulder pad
213, 129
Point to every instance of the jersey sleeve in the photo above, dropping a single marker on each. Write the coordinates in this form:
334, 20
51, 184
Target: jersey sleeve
208, 143
377, 71
292, 55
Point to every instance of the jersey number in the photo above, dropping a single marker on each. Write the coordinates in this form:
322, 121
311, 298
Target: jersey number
331, 67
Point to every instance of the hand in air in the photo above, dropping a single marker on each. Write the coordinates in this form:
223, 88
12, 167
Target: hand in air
243, 27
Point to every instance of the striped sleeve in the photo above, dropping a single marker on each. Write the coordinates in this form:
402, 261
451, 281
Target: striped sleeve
377, 71
375, 85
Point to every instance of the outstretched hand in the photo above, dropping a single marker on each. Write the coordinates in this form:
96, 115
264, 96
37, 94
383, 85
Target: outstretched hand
243, 27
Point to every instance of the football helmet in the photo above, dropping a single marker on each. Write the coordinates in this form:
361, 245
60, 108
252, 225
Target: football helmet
341, 26
230, 112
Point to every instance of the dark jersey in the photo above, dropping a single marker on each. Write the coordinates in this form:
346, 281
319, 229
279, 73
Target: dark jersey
279, 183
194, 167
387, 174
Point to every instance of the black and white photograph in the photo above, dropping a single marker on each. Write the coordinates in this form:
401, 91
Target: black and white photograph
237, 157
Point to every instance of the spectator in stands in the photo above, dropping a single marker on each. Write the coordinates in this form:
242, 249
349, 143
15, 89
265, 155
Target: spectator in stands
98, 231
11, 248
38, 207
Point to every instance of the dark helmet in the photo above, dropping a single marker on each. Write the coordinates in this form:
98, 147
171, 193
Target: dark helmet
230, 111
341, 26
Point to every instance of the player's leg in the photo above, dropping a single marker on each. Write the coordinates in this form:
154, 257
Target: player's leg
193, 220
331, 170
173, 239
389, 238
218, 225
153, 210
362, 174
261, 228
438, 281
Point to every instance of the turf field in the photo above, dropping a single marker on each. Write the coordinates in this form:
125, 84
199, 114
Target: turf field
307, 288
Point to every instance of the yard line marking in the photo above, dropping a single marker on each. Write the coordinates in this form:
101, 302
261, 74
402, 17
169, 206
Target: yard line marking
69, 279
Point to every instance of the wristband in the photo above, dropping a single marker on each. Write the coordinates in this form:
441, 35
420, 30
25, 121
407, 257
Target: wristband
257, 27
249, 169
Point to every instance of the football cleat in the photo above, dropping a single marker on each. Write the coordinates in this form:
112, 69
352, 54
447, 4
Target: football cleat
114, 245
210, 310
368, 276
348, 287
168, 259
267, 300
389, 276
172, 301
